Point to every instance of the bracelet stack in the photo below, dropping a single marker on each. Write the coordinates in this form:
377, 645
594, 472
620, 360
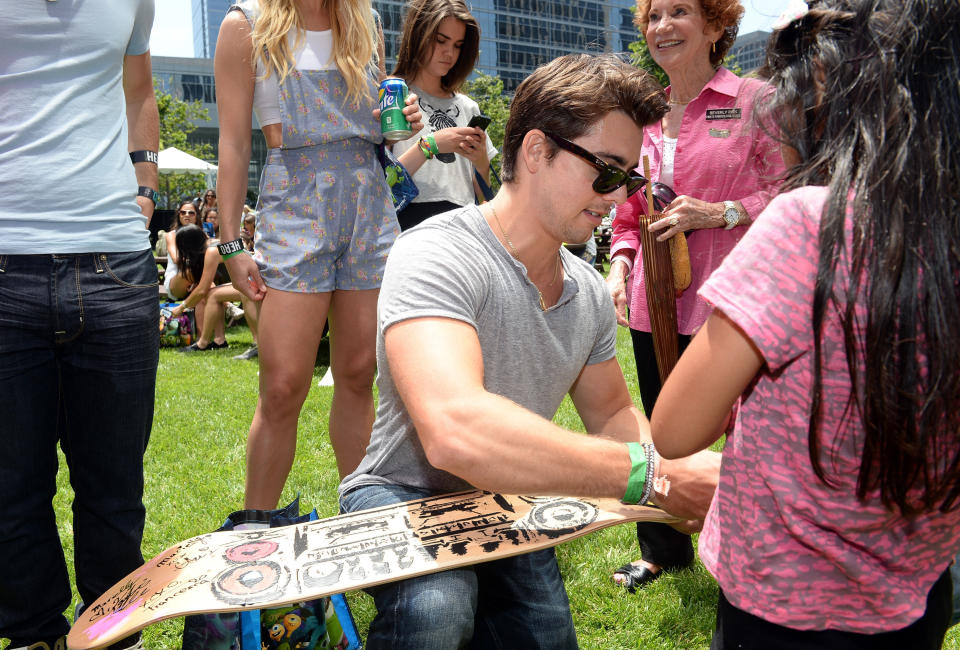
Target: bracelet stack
643, 466
428, 147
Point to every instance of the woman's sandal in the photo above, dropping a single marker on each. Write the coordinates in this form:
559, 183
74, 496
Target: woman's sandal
636, 576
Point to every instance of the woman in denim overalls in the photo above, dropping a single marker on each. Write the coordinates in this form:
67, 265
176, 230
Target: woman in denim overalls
326, 220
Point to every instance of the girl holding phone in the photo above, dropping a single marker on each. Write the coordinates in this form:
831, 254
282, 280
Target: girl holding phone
438, 49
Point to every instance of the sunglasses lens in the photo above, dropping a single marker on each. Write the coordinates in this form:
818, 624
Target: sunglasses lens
634, 184
609, 180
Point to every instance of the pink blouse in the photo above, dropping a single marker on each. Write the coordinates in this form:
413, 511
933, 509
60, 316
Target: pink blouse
721, 155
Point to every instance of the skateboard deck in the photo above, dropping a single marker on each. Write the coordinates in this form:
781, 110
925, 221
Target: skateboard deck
237, 570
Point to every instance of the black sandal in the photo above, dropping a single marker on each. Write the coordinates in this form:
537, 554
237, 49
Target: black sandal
636, 576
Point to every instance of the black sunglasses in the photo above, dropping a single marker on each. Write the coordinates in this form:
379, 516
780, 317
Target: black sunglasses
186, 212
612, 178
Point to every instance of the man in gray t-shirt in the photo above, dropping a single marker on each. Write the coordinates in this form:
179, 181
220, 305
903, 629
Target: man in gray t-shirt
485, 324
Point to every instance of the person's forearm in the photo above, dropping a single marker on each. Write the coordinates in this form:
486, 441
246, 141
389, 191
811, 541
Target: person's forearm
412, 159
143, 121
232, 185
495, 444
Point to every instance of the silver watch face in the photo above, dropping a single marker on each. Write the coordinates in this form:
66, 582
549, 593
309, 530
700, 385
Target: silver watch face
731, 216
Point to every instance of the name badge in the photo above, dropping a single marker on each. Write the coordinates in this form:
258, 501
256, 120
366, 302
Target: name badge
720, 133
724, 114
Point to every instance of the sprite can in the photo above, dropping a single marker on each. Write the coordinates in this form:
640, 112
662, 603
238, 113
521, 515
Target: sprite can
393, 97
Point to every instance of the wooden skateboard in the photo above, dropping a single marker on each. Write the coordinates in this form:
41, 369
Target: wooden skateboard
237, 570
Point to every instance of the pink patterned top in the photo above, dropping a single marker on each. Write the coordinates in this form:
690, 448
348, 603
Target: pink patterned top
782, 545
722, 155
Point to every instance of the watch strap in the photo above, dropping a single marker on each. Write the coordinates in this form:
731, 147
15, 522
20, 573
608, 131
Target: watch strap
145, 155
230, 247
148, 192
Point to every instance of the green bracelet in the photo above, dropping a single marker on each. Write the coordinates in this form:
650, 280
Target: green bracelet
432, 142
233, 254
638, 474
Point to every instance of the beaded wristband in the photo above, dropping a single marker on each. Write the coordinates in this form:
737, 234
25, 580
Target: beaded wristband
651, 453
425, 149
636, 484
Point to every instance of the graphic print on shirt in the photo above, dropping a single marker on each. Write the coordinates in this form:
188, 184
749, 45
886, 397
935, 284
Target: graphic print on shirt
439, 118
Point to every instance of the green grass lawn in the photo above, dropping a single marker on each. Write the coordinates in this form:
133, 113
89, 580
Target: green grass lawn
194, 478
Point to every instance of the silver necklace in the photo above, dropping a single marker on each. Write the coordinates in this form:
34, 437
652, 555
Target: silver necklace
516, 255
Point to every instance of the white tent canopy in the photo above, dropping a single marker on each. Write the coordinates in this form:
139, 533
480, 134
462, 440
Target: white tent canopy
174, 161
180, 162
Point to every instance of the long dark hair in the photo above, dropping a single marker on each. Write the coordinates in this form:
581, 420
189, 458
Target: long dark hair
192, 246
420, 25
868, 94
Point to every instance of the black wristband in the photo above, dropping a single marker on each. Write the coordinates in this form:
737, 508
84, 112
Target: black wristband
149, 192
234, 246
145, 155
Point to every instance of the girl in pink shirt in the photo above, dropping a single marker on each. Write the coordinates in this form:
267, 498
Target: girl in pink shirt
834, 325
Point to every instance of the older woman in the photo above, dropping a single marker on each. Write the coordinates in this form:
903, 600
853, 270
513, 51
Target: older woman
724, 169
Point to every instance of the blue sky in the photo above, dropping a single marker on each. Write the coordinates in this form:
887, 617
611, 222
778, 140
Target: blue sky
173, 28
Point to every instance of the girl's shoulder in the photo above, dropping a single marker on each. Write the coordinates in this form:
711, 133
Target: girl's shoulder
249, 8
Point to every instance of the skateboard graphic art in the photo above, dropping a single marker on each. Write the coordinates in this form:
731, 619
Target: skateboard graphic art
237, 570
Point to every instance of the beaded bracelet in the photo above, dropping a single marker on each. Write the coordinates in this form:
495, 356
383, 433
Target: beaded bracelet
425, 149
638, 473
651, 469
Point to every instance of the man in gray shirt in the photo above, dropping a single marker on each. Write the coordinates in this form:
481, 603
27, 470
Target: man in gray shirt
485, 323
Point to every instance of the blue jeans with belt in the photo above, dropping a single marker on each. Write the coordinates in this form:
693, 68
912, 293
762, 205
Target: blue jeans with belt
517, 602
79, 346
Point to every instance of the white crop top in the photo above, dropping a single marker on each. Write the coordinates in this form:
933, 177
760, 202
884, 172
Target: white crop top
315, 53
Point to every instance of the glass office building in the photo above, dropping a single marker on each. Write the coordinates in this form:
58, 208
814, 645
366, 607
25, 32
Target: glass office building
519, 35
207, 16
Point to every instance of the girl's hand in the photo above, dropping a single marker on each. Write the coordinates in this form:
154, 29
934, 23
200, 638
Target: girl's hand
686, 213
245, 276
454, 138
474, 149
411, 111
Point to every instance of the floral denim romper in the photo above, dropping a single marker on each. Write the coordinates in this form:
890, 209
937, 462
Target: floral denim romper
325, 215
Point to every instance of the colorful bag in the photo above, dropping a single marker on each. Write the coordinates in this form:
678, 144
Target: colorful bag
401, 184
176, 331
322, 623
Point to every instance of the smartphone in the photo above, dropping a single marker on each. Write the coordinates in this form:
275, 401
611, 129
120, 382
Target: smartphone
479, 121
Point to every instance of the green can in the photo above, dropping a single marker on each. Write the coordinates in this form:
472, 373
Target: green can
393, 97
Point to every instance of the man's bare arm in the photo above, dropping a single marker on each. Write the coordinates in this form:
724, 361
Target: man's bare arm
143, 121
484, 438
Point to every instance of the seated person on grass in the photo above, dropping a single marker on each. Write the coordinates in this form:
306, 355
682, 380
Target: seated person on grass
200, 271
485, 323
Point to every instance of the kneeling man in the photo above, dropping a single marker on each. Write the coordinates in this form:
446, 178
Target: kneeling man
485, 323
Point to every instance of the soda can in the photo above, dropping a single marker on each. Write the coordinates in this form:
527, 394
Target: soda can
393, 97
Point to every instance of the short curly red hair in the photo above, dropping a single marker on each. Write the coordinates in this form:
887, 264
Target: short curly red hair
725, 14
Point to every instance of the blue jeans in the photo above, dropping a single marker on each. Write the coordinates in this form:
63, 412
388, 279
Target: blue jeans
79, 346
517, 602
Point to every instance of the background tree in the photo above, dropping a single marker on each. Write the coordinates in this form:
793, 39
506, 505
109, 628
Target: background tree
487, 91
177, 122
641, 58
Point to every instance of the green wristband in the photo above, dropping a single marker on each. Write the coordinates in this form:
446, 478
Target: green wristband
233, 254
638, 474
432, 142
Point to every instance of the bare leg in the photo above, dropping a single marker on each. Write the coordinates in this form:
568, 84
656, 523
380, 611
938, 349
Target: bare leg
290, 326
251, 313
353, 359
